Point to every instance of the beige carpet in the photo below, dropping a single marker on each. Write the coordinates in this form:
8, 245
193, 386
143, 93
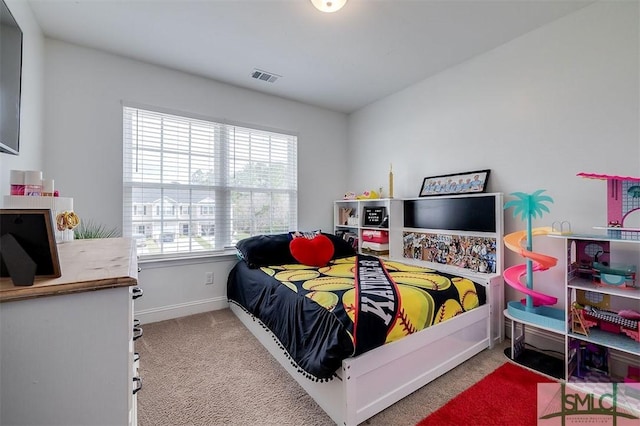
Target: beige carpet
208, 369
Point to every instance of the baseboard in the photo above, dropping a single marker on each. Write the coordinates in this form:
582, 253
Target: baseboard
178, 310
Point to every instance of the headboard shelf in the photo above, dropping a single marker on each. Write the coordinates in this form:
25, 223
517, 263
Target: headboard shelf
458, 233
463, 225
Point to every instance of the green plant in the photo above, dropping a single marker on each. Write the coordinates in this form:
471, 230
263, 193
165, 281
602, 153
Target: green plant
89, 229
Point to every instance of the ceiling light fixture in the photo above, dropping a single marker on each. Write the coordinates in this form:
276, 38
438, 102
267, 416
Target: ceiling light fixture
328, 6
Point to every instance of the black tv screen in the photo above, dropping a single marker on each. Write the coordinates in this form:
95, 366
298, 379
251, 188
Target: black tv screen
10, 81
476, 214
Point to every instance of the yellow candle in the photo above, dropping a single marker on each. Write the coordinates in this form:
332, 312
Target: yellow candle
391, 181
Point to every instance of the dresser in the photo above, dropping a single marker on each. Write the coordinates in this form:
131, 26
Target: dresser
67, 344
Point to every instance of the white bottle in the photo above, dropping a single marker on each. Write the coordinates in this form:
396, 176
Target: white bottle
16, 180
47, 187
33, 183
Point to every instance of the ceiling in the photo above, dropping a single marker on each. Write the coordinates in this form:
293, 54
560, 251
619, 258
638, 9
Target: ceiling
341, 61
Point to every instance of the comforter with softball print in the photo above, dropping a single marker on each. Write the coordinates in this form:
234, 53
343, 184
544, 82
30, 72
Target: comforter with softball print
321, 316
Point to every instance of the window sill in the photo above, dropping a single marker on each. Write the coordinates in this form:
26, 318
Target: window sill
150, 262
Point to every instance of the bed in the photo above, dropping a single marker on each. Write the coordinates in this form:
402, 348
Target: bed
329, 350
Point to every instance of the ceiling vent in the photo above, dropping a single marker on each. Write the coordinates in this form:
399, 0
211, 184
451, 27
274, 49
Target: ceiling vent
269, 77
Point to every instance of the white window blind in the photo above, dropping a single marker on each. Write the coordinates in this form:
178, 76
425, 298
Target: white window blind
192, 185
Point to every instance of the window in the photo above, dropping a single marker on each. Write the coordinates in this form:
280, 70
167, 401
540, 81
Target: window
206, 210
224, 182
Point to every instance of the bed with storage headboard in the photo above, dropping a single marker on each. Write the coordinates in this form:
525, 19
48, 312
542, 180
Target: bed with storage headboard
359, 333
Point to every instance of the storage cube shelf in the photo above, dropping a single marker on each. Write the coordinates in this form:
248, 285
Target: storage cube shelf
367, 222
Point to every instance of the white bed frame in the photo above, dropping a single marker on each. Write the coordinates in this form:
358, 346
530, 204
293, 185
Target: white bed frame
371, 382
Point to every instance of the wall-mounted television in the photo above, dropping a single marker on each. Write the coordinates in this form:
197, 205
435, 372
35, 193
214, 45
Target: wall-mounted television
10, 81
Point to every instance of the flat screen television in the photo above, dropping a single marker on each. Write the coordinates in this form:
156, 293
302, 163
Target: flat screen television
10, 81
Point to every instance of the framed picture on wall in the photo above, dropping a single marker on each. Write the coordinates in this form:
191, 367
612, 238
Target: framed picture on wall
455, 183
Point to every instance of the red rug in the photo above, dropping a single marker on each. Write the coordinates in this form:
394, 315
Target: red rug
507, 396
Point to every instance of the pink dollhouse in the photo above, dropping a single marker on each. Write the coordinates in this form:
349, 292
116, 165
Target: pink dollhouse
623, 197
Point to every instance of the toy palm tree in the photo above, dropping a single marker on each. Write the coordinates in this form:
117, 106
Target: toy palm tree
529, 206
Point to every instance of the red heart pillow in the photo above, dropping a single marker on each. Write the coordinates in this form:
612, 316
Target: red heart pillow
316, 251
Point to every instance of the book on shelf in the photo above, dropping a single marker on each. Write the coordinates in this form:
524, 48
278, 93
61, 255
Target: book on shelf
370, 245
353, 241
350, 237
375, 236
375, 252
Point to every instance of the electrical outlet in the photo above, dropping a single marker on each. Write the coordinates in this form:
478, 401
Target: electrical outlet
208, 278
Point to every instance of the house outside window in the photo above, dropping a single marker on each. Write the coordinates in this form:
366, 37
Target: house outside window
208, 184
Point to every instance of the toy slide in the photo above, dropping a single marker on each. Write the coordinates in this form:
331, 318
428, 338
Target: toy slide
541, 262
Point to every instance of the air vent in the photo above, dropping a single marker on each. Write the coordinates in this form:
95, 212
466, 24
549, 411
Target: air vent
269, 77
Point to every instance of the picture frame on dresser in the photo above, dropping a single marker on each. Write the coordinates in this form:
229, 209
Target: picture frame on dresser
27, 245
455, 183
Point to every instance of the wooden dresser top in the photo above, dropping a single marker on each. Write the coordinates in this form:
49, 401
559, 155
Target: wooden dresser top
85, 265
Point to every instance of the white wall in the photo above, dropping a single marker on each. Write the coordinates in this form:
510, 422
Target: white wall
84, 89
30, 157
557, 101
